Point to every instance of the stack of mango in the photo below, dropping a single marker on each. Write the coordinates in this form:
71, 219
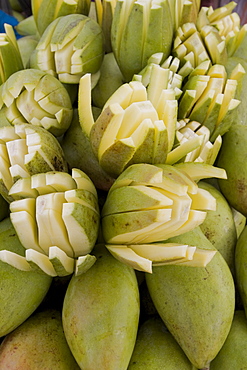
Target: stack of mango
123, 186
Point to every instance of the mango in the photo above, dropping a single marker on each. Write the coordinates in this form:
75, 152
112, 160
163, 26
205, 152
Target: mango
101, 313
233, 354
39, 343
232, 158
239, 115
110, 80
190, 300
78, 153
21, 292
219, 226
157, 349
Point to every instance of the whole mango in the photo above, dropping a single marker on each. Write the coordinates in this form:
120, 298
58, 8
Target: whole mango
190, 302
101, 314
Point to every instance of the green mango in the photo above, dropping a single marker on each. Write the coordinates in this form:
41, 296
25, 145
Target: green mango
156, 349
240, 267
196, 304
39, 343
26, 27
219, 226
110, 80
27, 45
137, 32
232, 158
241, 50
233, 354
101, 314
79, 154
239, 114
21, 292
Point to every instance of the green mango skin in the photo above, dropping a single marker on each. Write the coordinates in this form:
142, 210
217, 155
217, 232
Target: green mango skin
233, 354
27, 45
21, 292
232, 157
240, 267
196, 304
39, 343
219, 226
26, 27
242, 49
110, 80
101, 314
156, 349
79, 154
239, 114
